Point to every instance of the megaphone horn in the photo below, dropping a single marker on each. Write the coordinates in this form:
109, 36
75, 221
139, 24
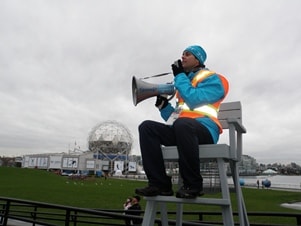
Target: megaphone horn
142, 90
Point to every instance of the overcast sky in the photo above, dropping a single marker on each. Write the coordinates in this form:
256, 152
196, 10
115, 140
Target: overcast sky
68, 65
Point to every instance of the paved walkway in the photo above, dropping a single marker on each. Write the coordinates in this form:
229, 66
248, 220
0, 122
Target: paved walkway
296, 205
19, 223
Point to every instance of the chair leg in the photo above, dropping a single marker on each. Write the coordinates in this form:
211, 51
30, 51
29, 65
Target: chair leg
226, 210
164, 217
149, 213
241, 208
179, 216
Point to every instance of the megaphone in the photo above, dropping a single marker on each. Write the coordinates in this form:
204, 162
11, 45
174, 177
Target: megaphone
142, 90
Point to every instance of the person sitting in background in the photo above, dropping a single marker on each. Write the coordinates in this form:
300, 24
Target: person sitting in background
134, 209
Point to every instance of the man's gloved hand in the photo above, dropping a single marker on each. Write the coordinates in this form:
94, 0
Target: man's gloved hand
161, 101
177, 67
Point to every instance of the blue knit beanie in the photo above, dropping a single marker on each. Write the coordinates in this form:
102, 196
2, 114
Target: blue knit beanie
198, 52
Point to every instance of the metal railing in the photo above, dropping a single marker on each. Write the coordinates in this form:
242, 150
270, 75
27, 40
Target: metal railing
39, 213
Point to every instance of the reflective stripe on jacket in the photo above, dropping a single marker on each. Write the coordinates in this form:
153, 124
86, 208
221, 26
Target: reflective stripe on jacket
207, 110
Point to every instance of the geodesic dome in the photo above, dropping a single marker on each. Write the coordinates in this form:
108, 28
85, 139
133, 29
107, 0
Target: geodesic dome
110, 137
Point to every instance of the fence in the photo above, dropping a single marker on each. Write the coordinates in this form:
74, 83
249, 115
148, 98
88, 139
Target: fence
39, 213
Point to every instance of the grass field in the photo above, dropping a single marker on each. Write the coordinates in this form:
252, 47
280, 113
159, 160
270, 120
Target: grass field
43, 186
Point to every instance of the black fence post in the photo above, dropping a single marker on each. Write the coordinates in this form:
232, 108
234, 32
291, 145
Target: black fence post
34, 215
74, 218
6, 211
67, 217
200, 217
298, 218
2, 214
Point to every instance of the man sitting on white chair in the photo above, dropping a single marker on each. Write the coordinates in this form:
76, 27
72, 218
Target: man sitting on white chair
192, 122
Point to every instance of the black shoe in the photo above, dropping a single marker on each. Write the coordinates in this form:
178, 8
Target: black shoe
153, 191
189, 193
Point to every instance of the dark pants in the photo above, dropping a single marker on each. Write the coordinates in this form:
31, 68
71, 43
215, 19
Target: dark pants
186, 134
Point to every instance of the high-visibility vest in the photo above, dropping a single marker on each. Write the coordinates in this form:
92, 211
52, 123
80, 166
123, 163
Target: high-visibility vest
207, 110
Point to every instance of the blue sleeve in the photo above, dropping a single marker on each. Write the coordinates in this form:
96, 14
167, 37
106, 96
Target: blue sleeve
167, 111
208, 91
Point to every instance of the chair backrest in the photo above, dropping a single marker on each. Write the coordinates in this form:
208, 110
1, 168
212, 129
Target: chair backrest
229, 110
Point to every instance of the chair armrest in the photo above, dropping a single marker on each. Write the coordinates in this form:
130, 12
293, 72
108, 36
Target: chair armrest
237, 124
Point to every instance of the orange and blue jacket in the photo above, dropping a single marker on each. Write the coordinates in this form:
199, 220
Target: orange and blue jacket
199, 95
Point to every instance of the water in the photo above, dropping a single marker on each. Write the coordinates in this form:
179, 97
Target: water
277, 181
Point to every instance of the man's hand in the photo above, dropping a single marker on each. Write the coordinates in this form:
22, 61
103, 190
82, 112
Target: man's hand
177, 68
161, 102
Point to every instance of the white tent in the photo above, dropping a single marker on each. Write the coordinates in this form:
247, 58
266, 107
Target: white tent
118, 173
269, 171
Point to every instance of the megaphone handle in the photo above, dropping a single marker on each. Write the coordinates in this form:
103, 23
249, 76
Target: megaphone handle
162, 74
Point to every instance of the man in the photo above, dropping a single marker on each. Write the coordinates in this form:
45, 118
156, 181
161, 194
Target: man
193, 121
